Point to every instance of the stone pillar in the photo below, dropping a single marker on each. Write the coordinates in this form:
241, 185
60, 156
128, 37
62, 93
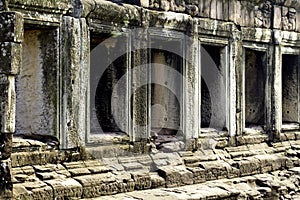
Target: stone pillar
140, 124
191, 86
269, 90
11, 36
276, 97
235, 84
75, 81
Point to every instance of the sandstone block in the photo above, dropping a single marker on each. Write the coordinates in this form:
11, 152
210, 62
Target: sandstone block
65, 188
176, 176
199, 174
277, 17
10, 57
11, 27
156, 180
142, 180
79, 171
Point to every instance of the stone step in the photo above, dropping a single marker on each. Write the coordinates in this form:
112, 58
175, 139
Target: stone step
28, 152
41, 171
92, 178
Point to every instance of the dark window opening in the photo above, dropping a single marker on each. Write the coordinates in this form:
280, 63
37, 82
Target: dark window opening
213, 94
290, 88
108, 65
255, 80
166, 90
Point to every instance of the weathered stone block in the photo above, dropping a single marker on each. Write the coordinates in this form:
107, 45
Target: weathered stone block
198, 173
79, 171
216, 169
176, 176
213, 9
162, 159
157, 181
98, 184
125, 182
7, 100
10, 57
247, 14
44, 193
248, 166
126, 186
5, 179
11, 27
235, 12
65, 188
5, 145
20, 192
204, 8
266, 162
142, 180
277, 17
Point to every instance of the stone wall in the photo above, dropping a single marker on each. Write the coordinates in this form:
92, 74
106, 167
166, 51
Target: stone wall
48, 81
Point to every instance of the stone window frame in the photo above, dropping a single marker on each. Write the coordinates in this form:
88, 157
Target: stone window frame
225, 62
286, 50
178, 37
109, 138
264, 48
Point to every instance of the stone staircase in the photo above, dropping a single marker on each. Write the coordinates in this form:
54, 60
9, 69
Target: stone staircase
248, 171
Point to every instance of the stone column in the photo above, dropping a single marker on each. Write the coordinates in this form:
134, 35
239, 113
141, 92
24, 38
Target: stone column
191, 86
269, 90
75, 81
140, 123
276, 97
235, 84
11, 36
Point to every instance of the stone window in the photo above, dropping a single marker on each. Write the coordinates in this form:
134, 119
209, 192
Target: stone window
290, 91
108, 64
165, 99
254, 85
213, 87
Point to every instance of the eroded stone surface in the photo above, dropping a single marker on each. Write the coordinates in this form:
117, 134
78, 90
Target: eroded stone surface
258, 171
